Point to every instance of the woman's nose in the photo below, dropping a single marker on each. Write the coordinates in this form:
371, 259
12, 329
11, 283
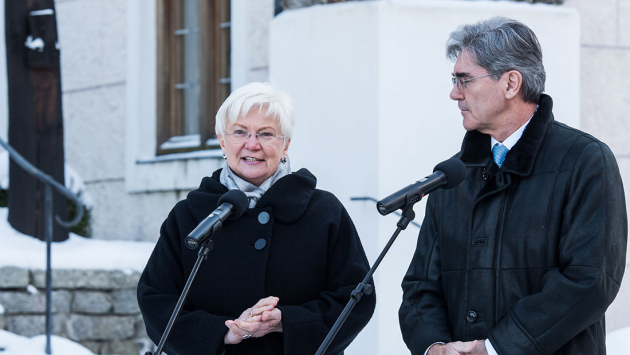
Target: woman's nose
252, 142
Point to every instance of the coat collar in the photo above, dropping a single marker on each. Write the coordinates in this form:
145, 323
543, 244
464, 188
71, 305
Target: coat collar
287, 197
520, 159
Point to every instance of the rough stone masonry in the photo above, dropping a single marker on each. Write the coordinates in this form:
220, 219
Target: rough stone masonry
96, 308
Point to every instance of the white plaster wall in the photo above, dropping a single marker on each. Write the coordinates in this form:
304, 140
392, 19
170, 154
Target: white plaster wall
92, 39
250, 40
328, 62
371, 85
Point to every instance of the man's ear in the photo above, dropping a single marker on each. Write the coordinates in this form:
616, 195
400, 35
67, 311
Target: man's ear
514, 83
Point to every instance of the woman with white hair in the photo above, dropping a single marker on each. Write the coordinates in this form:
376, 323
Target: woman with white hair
280, 275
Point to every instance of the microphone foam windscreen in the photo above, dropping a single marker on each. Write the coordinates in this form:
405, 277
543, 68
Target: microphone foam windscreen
238, 199
454, 170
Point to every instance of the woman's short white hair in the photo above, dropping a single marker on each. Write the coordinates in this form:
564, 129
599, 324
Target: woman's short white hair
262, 96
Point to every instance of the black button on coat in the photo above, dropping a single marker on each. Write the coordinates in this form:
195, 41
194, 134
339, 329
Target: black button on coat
312, 261
537, 248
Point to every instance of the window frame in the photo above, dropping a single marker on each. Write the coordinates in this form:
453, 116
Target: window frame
214, 74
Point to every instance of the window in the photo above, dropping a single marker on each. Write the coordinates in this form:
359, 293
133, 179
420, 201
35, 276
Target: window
193, 72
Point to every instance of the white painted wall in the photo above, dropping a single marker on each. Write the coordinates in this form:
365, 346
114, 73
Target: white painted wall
371, 87
250, 40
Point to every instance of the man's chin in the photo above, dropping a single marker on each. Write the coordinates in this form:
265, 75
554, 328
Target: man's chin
468, 122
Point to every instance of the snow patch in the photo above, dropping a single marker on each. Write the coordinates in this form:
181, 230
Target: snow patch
32, 289
14, 344
20, 250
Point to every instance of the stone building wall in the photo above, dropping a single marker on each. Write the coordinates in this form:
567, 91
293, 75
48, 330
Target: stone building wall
604, 86
95, 308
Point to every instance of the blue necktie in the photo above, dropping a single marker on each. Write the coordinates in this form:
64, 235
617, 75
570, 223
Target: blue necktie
498, 153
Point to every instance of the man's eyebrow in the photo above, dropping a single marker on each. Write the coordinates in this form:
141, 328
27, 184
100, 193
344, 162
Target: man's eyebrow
461, 74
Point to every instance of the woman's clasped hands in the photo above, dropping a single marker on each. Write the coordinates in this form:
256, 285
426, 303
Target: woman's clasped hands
262, 319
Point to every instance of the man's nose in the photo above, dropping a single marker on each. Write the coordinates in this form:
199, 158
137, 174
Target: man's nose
456, 93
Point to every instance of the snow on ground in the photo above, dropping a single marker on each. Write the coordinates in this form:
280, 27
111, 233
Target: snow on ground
12, 344
75, 253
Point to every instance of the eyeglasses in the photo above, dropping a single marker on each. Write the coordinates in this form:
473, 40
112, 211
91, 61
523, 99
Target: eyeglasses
461, 83
264, 137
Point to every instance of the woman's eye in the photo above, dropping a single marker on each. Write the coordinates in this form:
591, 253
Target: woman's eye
266, 134
240, 132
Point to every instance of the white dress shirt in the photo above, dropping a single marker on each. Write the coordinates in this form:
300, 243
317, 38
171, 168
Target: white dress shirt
510, 141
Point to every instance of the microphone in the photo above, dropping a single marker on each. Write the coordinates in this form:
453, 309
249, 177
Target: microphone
232, 205
446, 174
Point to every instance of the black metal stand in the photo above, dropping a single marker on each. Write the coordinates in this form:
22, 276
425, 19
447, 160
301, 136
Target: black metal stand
203, 254
364, 288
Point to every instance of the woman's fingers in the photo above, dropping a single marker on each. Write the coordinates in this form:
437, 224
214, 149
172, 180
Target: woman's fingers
232, 338
257, 321
274, 314
267, 301
259, 310
234, 327
265, 304
246, 314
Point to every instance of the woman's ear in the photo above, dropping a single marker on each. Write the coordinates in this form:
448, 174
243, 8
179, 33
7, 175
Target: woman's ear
286, 147
221, 141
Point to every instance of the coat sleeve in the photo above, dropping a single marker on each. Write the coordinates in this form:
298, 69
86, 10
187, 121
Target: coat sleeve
159, 288
423, 313
305, 326
592, 251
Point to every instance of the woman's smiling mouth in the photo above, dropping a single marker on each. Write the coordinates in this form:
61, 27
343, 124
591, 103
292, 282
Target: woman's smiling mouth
250, 159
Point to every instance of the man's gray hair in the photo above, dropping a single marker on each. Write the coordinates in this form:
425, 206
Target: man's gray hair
499, 45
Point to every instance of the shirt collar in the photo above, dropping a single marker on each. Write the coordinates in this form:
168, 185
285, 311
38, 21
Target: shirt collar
510, 141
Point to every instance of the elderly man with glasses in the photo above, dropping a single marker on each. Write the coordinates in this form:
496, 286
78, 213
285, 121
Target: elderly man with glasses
527, 253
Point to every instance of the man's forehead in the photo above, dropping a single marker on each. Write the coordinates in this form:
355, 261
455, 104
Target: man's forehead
466, 65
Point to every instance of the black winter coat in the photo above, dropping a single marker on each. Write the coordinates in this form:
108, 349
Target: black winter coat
529, 255
297, 244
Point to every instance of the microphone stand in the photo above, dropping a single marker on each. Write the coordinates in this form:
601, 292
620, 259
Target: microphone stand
407, 216
206, 247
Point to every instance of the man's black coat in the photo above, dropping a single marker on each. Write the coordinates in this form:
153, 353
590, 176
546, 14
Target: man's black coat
529, 255
297, 244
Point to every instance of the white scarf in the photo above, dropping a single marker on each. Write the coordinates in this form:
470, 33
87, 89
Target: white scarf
230, 180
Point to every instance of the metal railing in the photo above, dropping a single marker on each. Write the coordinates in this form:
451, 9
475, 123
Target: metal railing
49, 183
